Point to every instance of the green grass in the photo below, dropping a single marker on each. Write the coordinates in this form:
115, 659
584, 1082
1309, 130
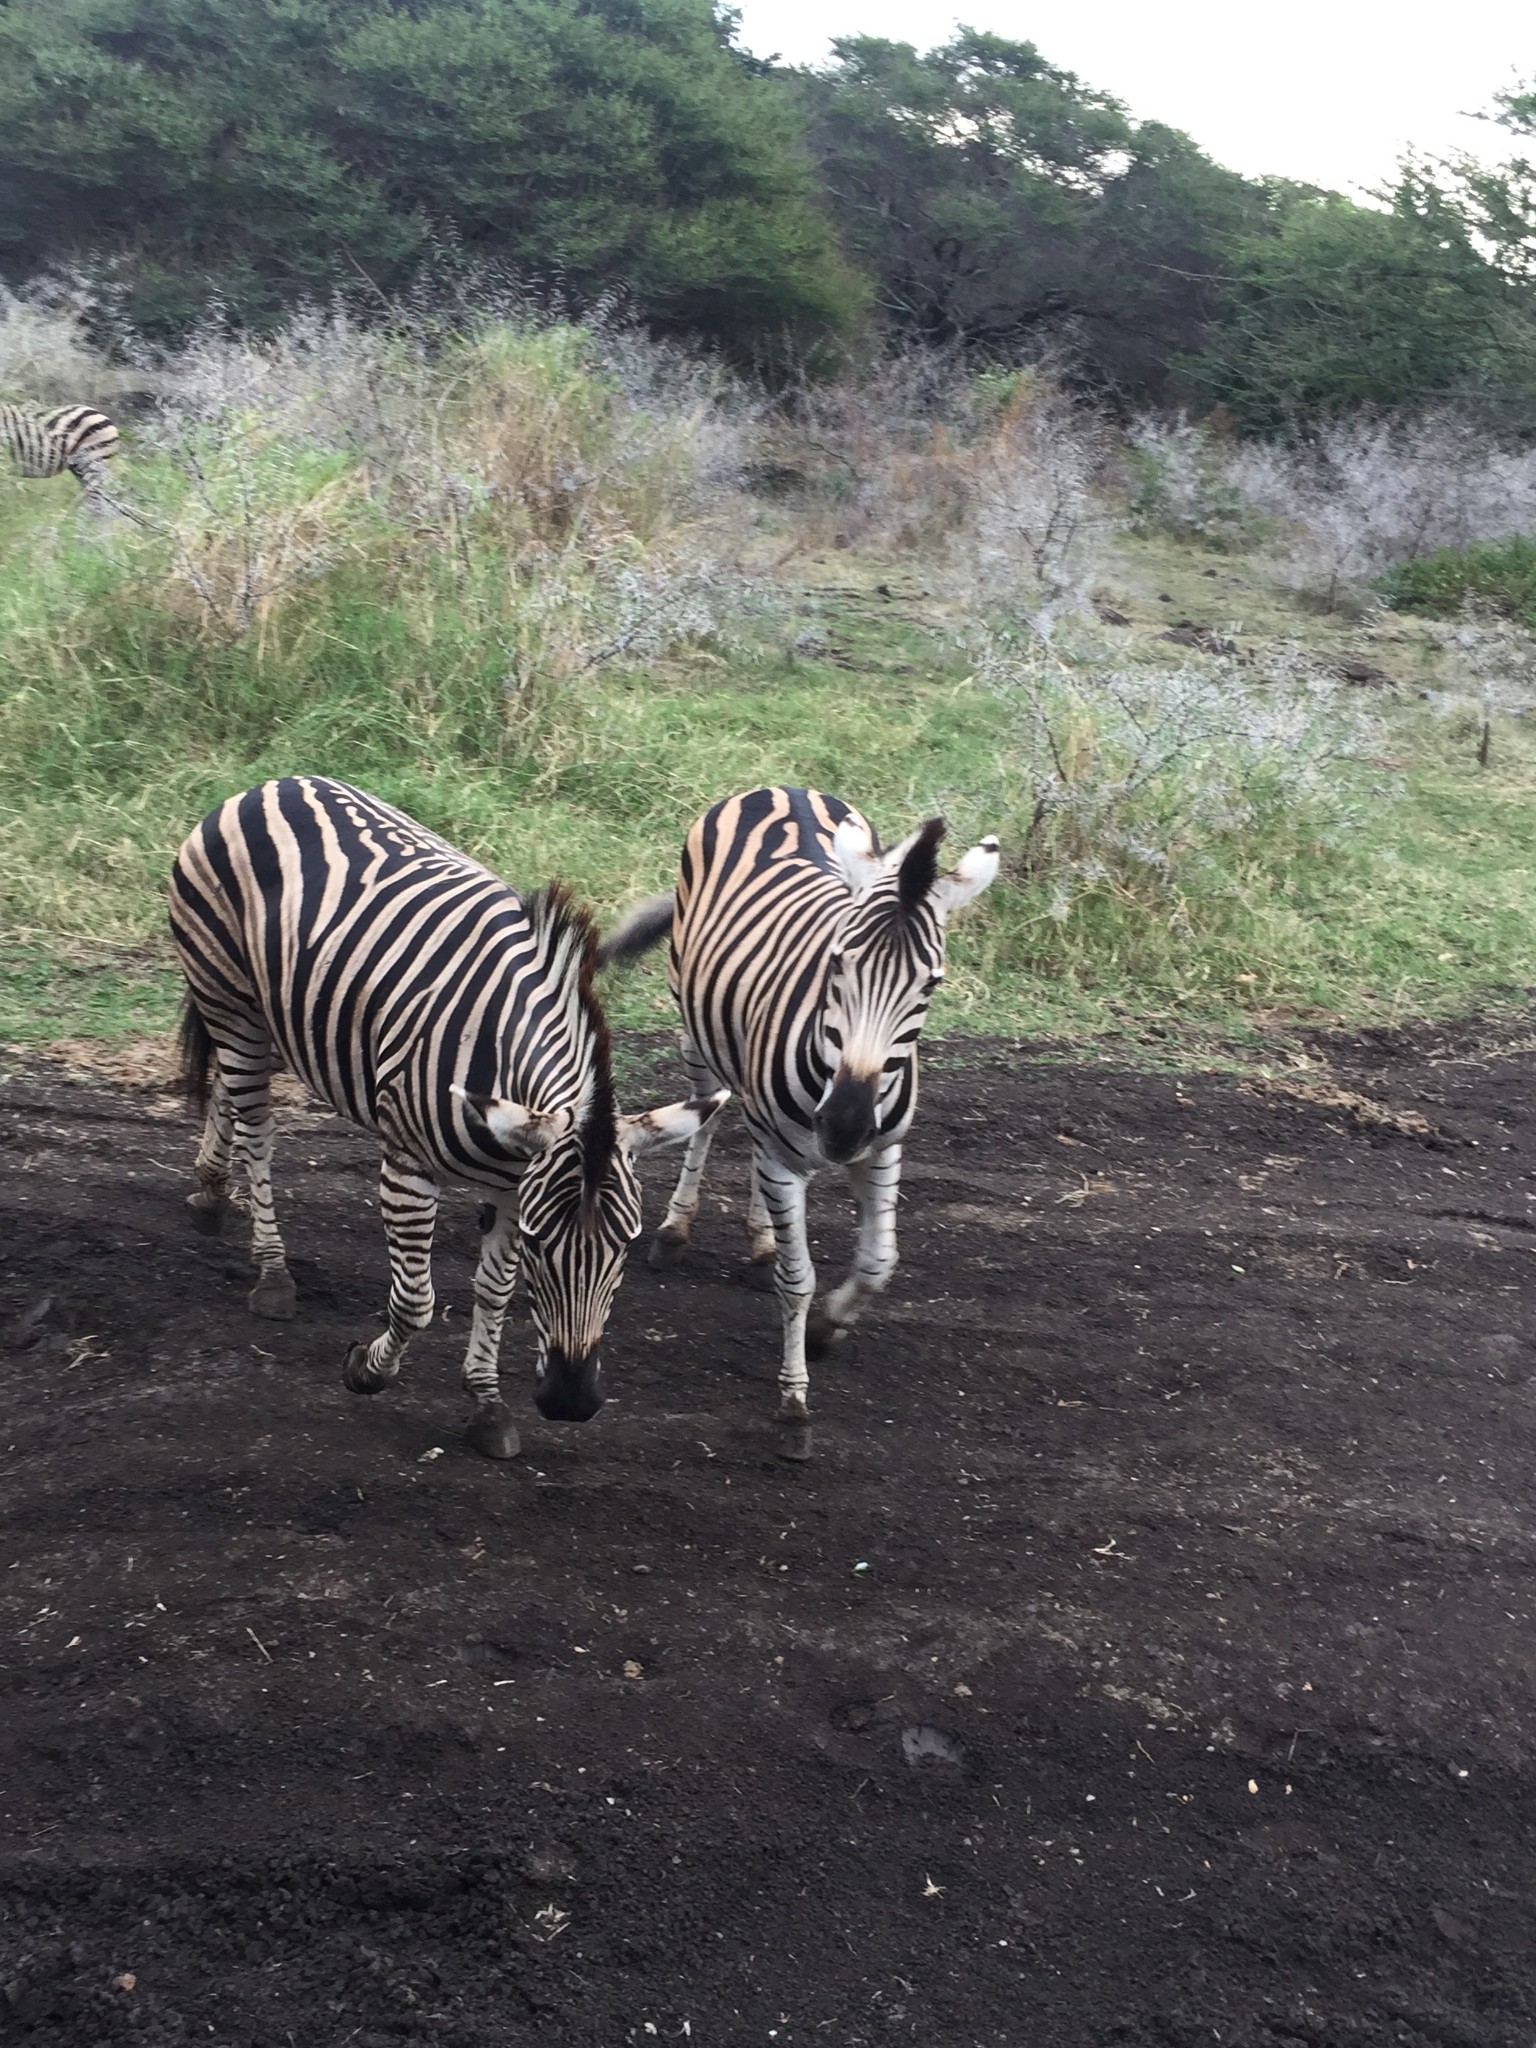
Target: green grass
1407, 893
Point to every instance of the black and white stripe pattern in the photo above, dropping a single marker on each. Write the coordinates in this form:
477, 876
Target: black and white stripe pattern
803, 960
75, 437
414, 991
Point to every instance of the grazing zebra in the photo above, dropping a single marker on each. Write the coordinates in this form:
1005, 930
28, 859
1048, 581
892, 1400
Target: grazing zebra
76, 438
803, 959
425, 1000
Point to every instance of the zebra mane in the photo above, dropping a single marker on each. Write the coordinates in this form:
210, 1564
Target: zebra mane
920, 869
567, 939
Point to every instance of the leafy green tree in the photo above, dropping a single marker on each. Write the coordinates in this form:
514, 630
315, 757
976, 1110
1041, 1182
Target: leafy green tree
998, 200
1498, 202
1332, 307
260, 150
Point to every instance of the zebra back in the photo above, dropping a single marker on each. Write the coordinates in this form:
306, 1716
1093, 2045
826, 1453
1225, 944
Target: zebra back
398, 978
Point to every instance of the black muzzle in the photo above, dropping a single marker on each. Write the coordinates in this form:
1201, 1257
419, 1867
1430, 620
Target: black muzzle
569, 1389
845, 1123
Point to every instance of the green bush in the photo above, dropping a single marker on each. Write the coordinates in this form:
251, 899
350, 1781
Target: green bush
1501, 572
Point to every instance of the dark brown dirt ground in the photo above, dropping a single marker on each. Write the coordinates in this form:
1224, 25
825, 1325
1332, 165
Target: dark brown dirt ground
1182, 1484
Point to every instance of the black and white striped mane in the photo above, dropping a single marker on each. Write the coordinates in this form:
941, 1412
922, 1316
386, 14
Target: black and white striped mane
566, 939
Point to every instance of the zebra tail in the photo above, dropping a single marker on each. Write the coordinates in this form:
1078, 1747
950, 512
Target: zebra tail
196, 1047
645, 926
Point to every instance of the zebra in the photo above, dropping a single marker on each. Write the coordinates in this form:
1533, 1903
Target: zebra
803, 959
75, 437
423, 999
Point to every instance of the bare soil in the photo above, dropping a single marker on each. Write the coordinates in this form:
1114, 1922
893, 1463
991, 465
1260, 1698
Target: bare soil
1144, 1658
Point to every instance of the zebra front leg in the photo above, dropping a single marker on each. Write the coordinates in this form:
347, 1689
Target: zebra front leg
671, 1240
491, 1430
408, 1205
876, 1182
760, 1237
210, 1204
794, 1282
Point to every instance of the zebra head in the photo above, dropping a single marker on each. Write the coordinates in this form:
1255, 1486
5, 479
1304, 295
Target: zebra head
885, 961
578, 1214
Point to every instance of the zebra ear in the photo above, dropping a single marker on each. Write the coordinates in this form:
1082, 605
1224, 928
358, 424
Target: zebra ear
853, 848
973, 872
513, 1127
674, 1125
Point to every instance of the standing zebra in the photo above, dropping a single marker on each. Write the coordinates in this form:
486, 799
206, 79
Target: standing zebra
803, 959
425, 1000
76, 438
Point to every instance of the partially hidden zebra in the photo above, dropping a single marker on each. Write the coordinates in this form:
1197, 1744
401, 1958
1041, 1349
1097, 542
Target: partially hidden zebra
75, 437
424, 999
803, 959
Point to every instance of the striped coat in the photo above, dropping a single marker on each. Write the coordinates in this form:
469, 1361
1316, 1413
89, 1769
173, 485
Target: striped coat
421, 997
75, 437
803, 959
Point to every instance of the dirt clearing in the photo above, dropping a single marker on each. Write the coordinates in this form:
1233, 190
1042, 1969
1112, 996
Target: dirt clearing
1145, 1658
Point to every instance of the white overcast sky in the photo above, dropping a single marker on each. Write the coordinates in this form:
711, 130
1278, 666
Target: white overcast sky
1329, 91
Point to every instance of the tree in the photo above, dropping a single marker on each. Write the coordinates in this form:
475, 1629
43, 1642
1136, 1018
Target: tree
998, 201
262, 150
1332, 307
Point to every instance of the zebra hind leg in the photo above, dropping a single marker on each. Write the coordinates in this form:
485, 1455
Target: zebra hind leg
209, 1205
671, 1240
876, 1182
491, 1430
247, 1072
764, 1245
408, 1205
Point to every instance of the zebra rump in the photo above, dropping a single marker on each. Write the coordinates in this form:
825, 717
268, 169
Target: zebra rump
73, 437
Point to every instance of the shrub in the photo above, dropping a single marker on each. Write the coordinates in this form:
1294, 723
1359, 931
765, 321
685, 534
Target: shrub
1501, 572
1140, 777
1182, 483
1364, 493
999, 480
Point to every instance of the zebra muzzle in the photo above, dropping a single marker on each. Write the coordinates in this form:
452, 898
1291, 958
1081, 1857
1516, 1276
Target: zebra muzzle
569, 1390
845, 1124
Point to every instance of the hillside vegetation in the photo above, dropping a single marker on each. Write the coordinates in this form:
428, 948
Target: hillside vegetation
193, 154
554, 588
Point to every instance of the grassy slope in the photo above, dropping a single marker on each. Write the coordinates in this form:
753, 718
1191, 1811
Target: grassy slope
1423, 907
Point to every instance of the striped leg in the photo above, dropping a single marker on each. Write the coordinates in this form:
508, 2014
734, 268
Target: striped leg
491, 1429
245, 1069
671, 1240
210, 1204
875, 1181
408, 1205
794, 1281
765, 1249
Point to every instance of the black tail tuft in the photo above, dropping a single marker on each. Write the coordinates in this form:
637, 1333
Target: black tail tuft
197, 1049
645, 926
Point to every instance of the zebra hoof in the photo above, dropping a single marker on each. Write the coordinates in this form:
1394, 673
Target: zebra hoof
274, 1296
492, 1433
794, 1444
821, 1334
760, 1273
206, 1213
667, 1247
358, 1376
